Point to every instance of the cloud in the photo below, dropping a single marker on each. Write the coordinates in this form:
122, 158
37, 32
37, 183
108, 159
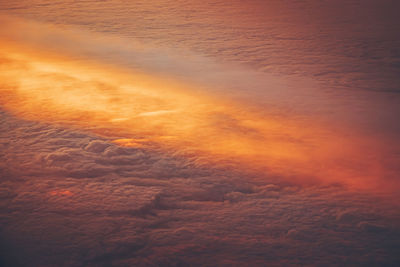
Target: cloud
76, 196
96, 146
136, 206
371, 227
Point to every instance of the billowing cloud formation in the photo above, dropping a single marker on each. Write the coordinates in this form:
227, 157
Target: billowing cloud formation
72, 199
143, 109
116, 153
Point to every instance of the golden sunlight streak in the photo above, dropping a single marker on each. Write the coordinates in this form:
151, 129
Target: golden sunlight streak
137, 109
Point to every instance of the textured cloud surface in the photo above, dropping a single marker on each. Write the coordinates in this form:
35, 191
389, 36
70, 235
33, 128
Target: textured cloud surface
186, 133
71, 199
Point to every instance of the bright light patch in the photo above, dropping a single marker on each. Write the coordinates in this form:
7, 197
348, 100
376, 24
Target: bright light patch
144, 109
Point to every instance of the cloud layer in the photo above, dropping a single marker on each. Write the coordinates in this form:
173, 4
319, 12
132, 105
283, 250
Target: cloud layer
125, 149
73, 199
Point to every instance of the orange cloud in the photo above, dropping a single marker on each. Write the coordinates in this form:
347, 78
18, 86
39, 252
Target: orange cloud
138, 109
61, 193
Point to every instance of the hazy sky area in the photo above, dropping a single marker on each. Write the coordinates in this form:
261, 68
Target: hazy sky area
199, 133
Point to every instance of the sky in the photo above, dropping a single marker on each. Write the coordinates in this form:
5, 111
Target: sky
199, 133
